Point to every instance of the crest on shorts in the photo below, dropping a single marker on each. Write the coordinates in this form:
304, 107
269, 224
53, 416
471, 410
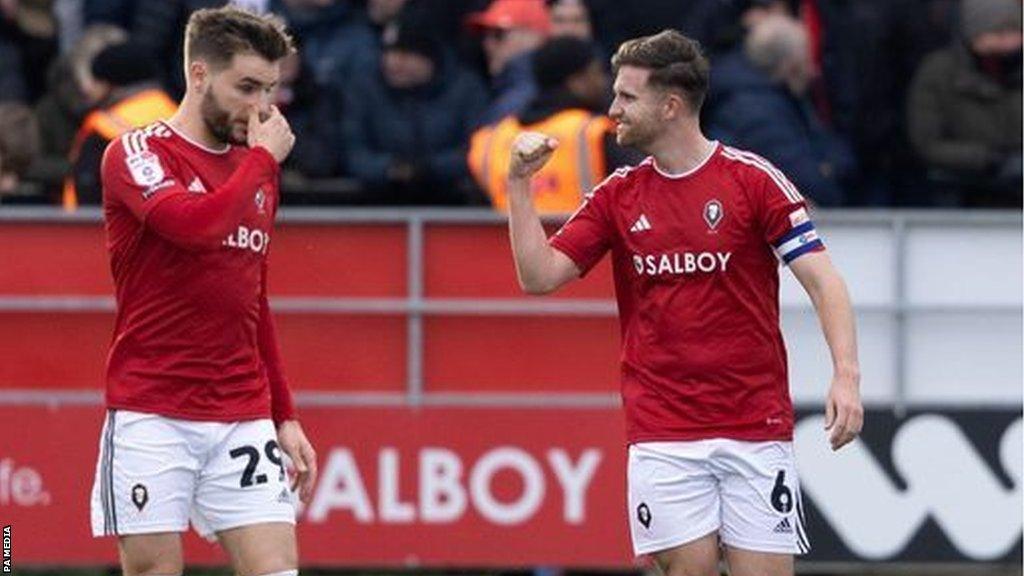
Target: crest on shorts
643, 514
140, 496
713, 213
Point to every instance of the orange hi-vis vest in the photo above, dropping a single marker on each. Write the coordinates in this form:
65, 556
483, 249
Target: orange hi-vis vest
577, 165
133, 112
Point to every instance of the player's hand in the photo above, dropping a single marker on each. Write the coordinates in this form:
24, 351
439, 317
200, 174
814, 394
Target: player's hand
844, 415
293, 441
274, 133
530, 151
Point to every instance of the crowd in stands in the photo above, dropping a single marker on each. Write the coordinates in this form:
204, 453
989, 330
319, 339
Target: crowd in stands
862, 103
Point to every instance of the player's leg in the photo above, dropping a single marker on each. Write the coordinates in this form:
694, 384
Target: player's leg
674, 507
261, 549
762, 513
243, 497
151, 554
750, 563
145, 476
697, 558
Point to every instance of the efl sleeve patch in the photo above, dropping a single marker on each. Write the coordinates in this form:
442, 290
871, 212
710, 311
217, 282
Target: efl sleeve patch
145, 168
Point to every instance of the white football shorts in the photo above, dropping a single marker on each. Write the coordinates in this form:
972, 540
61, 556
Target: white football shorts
154, 474
747, 492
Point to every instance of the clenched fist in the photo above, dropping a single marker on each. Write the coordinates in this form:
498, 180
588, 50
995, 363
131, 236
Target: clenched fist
530, 151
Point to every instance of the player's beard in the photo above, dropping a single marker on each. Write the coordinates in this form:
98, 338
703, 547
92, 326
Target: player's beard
218, 120
636, 134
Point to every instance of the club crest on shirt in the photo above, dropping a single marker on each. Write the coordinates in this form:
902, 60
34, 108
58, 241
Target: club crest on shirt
261, 200
145, 168
713, 213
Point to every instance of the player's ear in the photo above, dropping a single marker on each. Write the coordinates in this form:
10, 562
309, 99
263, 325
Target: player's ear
198, 75
671, 105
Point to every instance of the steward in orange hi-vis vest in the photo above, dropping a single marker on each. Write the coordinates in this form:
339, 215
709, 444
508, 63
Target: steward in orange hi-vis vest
574, 169
572, 93
133, 100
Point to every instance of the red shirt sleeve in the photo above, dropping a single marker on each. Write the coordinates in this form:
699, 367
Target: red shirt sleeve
144, 181
282, 407
588, 233
785, 223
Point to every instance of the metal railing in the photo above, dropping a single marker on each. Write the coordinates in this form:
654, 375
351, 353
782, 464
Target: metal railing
416, 305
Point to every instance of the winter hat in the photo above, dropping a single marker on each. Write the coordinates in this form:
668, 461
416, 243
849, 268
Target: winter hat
980, 16
560, 58
409, 35
124, 64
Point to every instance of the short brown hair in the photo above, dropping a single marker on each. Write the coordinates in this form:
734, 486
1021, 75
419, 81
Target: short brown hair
675, 61
216, 35
19, 138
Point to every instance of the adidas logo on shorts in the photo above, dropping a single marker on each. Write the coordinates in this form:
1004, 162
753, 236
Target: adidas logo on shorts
783, 527
284, 497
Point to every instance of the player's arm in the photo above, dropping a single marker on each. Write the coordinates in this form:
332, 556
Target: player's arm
139, 179
844, 415
202, 221
540, 268
290, 435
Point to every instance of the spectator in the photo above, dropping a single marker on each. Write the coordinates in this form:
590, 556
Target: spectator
159, 27
737, 18
314, 116
31, 28
129, 81
616, 21
511, 31
759, 102
19, 144
964, 109
573, 94
72, 89
337, 38
12, 79
870, 50
406, 125
570, 18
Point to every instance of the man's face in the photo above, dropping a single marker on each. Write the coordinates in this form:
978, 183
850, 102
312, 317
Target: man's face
244, 87
504, 44
997, 43
636, 108
570, 18
591, 85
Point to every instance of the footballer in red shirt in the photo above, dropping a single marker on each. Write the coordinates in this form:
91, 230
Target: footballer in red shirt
696, 233
199, 414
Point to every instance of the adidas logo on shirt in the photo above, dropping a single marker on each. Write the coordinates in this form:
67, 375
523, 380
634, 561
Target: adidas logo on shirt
196, 186
783, 527
641, 224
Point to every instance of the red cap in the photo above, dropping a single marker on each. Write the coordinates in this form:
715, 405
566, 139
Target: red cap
505, 14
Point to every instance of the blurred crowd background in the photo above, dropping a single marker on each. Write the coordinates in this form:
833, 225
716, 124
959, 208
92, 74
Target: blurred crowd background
863, 103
